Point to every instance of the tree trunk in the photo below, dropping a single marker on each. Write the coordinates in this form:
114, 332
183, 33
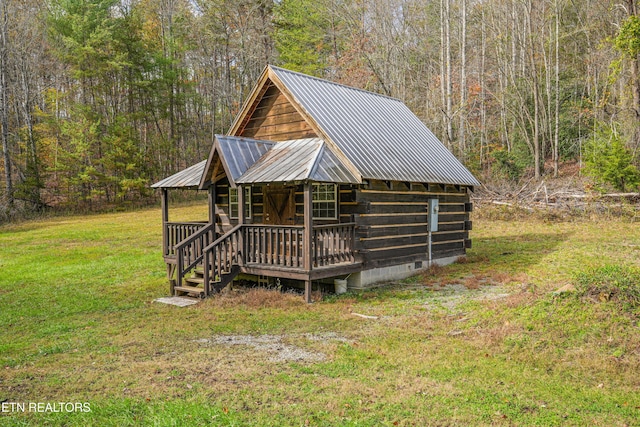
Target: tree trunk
556, 134
483, 93
4, 103
443, 79
463, 80
536, 96
449, 88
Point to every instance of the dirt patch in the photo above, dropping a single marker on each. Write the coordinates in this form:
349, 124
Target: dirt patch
275, 347
450, 296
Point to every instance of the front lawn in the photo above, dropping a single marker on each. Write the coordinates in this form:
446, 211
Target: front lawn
484, 342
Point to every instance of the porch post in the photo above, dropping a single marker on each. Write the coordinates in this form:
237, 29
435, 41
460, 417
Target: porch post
212, 203
308, 238
241, 216
164, 205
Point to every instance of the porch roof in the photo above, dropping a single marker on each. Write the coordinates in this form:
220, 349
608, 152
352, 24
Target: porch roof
235, 154
299, 160
247, 161
187, 178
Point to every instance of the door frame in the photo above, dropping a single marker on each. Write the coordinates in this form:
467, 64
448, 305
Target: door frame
285, 213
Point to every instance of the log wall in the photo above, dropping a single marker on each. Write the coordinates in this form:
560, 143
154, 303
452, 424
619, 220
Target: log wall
393, 222
391, 219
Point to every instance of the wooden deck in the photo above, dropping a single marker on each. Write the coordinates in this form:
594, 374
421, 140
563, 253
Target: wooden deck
264, 250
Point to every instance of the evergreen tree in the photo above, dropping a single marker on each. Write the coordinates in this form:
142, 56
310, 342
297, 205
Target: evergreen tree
303, 36
610, 162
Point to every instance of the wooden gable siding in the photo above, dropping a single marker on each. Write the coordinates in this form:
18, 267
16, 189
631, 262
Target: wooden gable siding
392, 222
275, 119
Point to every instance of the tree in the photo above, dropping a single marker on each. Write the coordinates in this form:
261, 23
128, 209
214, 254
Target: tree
304, 35
627, 41
610, 162
4, 102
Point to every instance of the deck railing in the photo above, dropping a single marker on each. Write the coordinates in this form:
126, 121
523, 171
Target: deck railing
221, 256
274, 245
268, 245
283, 245
176, 232
189, 252
333, 244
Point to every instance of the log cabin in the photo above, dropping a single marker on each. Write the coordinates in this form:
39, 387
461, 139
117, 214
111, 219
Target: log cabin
317, 181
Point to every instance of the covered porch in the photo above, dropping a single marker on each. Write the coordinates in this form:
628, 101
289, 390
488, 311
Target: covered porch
265, 218
289, 252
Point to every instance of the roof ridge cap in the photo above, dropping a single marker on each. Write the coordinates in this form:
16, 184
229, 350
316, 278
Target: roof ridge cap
245, 138
276, 68
313, 163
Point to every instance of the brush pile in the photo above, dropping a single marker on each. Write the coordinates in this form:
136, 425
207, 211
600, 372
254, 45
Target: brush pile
557, 197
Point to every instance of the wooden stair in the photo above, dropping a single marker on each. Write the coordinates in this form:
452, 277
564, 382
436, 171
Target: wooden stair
194, 286
191, 291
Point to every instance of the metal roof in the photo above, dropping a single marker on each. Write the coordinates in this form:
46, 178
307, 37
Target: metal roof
379, 135
298, 160
239, 154
376, 134
187, 178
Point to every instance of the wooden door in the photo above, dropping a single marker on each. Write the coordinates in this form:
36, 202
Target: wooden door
279, 206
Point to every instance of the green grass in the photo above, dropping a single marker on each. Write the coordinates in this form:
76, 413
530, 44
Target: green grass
77, 324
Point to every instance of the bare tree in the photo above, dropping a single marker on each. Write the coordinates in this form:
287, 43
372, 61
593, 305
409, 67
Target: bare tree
463, 79
447, 79
556, 133
4, 103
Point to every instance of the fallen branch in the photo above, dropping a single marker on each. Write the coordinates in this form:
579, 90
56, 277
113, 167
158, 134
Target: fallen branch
364, 316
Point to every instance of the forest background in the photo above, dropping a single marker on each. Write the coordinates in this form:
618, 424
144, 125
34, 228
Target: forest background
100, 98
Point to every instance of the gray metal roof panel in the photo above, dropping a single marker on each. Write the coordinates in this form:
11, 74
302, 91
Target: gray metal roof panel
187, 178
298, 160
239, 154
378, 134
329, 168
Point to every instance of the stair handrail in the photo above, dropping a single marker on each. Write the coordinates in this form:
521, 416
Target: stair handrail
206, 264
181, 247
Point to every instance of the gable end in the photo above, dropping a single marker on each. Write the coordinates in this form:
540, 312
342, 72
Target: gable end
272, 117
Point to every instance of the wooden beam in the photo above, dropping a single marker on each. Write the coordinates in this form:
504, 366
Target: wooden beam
308, 237
171, 268
308, 226
241, 207
295, 273
212, 203
307, 291
241, 216
165, 219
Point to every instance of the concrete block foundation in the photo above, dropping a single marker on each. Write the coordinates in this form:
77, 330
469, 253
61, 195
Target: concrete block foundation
376, 276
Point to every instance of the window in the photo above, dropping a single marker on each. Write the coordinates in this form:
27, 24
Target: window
233, 202
324, 201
